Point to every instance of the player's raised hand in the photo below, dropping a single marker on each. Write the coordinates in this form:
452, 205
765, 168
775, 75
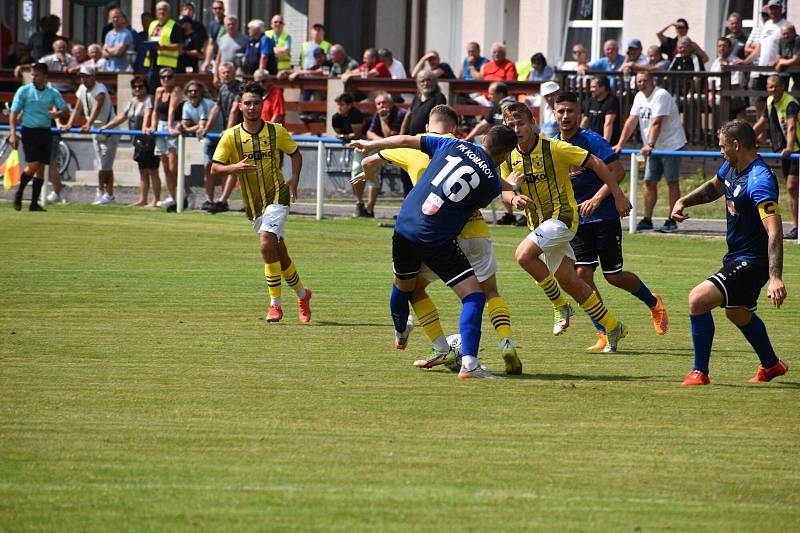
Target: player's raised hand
515, 179
520, 201
677, 212
361, 146
776, 291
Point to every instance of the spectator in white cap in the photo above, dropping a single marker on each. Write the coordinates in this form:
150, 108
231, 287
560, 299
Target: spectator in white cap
95, 104
549, 126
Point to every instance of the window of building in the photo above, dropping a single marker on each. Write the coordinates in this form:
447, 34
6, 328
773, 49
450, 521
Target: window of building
591, 22
87, 22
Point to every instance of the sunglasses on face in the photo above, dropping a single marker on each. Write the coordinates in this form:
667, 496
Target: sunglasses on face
166, 76
138, 87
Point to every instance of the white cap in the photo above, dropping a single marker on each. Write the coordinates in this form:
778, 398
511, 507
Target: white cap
87, 70
549, 87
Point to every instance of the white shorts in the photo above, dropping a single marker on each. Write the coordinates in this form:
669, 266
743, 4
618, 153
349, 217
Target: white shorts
272, 221
553, 237
479, 252
105, 150
165, 144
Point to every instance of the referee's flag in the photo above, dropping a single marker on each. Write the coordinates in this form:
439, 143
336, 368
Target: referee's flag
10, 170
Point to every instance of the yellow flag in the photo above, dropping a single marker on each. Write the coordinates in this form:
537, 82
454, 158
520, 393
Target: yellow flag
10, 170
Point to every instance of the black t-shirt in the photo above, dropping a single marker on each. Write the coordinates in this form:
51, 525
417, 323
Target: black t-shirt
687, 64
670, 47
192, 41
776, 136
395, 121
495, 115
344, 124
420, 110
597, 112
447, 72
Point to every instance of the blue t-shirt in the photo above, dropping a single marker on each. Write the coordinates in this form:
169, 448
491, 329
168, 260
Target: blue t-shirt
459, 178
586, 183
604, 64
115, 38
37, 104
201, 112
467, 73
747, 238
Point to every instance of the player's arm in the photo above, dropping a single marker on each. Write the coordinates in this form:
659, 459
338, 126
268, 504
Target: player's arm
370, 164
771, 218
611, 181
220, 170
12, 127
589, 206
627, 130
395, 141
706, 193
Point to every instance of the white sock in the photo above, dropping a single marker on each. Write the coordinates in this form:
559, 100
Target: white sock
440, 344
469, 362
301, 293
503, 342
275, 301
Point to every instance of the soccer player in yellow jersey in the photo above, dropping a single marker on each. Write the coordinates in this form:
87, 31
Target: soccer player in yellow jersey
251, 151
549, 202
474, 240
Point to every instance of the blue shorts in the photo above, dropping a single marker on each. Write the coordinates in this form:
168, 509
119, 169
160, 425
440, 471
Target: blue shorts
659, 165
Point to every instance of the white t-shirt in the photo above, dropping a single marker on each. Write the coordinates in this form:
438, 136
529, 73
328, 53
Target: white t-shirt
397, 69
88, 100
659, 104
716, 66
769, 42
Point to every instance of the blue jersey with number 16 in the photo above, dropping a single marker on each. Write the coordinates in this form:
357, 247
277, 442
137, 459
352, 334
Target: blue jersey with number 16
459, 178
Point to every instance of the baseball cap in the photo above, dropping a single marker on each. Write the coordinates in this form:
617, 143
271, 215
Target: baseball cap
774, 3
549, 87
87, 70
634, 43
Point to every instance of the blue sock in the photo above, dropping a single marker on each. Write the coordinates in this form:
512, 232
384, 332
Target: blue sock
756, 334
398, 305
702, 338
645, 295
469, 324
598, 326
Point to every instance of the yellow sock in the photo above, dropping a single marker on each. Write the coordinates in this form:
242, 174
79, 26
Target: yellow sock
596, 309
553, 292
291, 277
500, 317
428, 316
272, 271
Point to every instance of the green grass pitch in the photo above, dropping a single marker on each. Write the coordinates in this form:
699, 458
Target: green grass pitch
140, 389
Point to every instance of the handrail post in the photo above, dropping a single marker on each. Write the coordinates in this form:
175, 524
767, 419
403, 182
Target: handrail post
181, 176
320, 178
632, 192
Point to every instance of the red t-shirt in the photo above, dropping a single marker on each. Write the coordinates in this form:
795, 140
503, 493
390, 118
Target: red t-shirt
383, 70
273, 104
495, 71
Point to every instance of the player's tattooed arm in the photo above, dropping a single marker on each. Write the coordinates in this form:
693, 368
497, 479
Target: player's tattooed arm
776, 290
707, 192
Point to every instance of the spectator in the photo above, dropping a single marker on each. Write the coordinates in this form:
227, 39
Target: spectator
386, 122
431, 61
79, 52
395, 67
549, 126
188, 10
579, 61
498, 95
370, 68
282, 42
655, 60
141, 52
540, 71
428, 96
135, 111
194, 120
669, 45
660, 126
274, 109
41, 42
169, 36
256, 40
473, 63
611, 62
765, 51
633, 58
96, 59
307, 59
163, 119
686, 60
579, 55
232, 43
193, 46
736, 34
20, 56
95, 105
780, 120
109, 25
349, 124
341, 62
499, 68
226, 108
601, 112
117, 43
789, 53
60, 61
726, 56
215, 30
755, 32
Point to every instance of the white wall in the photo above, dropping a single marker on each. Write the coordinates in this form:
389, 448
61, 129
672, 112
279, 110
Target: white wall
390, 28
443, 27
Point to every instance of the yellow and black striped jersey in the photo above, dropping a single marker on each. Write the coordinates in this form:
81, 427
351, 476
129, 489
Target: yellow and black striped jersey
265, 185
415, 162
546, 181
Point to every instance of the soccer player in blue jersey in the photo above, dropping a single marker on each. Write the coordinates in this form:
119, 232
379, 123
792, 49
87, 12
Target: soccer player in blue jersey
460, 177
754, 258
599, 232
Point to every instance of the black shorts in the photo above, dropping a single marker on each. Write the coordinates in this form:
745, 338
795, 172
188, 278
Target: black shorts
599, 239
37, 143
790, 167
446, 261
740, 283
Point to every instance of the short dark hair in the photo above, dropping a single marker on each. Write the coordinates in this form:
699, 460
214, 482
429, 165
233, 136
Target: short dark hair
538, 56
40, 68
500, 139
253, 87
517, 108
725, 39
741, 131
345, 98
684, 21
384, 52
500, 87
602, 81
318, 26
445, 112
140, 80
566, 96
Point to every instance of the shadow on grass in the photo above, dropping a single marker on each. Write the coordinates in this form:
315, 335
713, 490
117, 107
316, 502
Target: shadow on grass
573, 377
